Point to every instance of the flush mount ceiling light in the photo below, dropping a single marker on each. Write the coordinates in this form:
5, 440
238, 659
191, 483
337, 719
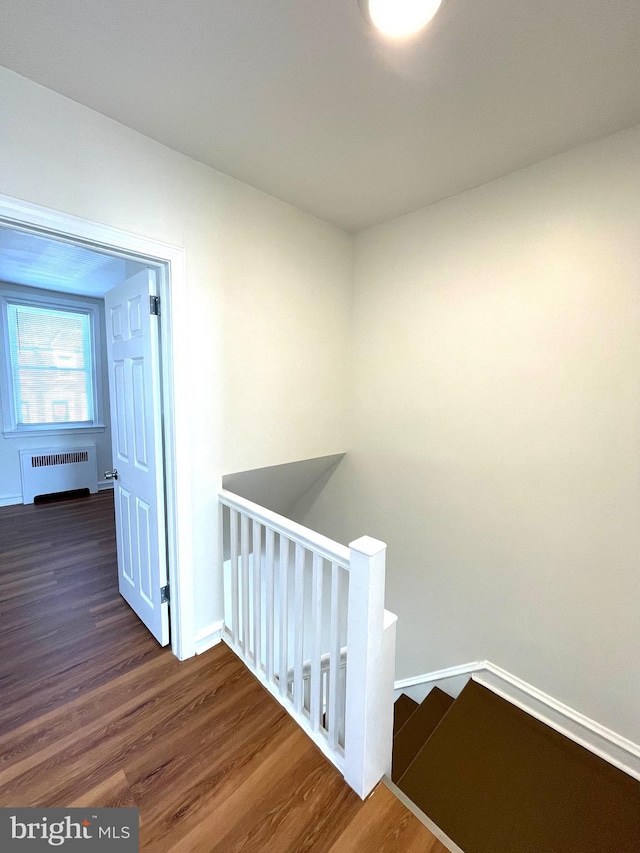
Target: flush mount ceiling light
399, 18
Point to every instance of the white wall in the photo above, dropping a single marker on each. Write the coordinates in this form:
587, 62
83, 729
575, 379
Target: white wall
10, 476
268, 288
496, 428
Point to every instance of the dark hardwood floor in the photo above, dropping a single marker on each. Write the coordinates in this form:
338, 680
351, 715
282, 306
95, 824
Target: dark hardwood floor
94, 713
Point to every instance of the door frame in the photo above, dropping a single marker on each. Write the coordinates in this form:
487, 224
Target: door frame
170, 264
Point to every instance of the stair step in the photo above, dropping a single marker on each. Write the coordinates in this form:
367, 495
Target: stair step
403, 708
494, 778
418, 728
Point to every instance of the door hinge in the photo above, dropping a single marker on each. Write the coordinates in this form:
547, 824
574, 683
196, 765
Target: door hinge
154, 305
164, 594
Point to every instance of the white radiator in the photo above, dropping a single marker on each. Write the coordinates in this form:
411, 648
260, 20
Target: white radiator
50, 470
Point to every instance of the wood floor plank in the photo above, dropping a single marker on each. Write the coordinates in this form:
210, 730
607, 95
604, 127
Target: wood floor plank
113, 792
201, 803
254, 816
93, 751
383, 824
285, 802
94, 713
113, 700
61, 685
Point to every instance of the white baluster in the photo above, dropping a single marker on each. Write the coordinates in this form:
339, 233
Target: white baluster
284, 613
334, 661
257, 593
316, 617
299, 628
235, 610
342, 700
244, 587
306, 693
269, 547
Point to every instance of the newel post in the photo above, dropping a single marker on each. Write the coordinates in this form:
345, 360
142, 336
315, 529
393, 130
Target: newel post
370, 669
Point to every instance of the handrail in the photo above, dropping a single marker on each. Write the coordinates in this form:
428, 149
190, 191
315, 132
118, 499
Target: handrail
322, 545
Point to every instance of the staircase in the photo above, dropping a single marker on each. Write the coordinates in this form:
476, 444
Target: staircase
494, 779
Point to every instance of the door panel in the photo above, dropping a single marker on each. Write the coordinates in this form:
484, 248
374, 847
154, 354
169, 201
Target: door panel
134, 382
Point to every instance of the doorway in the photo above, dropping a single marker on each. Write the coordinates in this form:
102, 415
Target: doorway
123, 252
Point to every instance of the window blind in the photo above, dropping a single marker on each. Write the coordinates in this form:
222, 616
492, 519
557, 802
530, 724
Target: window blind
51, 366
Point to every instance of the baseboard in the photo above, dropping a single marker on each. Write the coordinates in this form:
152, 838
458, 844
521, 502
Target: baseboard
612, 747
104, 485
439, 675
11, 500
209, 637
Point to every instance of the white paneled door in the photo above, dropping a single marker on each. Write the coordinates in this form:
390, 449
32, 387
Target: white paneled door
138, 468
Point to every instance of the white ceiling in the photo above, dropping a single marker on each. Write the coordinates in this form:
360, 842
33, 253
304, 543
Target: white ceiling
301, 99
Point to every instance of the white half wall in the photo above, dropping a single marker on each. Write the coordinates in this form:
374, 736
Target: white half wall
268, 288
496, 412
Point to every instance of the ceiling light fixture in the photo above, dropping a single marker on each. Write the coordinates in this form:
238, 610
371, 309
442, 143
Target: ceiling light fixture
399, 18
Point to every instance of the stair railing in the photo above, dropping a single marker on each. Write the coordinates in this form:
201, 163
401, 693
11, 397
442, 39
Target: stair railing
306, 615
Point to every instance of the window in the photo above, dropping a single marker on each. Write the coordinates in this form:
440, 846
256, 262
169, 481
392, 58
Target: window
50, 379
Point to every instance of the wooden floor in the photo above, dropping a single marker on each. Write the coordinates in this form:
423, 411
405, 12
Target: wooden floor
94, 713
